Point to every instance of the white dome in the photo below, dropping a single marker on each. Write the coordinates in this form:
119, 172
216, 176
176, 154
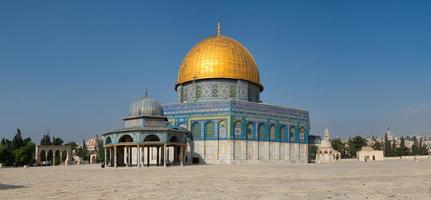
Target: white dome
146, 106
325, 143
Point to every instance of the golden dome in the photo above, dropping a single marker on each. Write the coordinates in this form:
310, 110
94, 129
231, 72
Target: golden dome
218, 57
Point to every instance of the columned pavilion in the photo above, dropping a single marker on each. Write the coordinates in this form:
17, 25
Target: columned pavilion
147, 140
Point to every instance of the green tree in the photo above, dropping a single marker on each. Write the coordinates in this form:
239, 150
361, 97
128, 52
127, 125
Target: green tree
402, 149
338, 145
355, 144
415, 146
24, 155
100, 151
376, 144
57, 141
27, 141
395, 150
46, 140
6, 156
17, 151
422, 148
388, 151
17, 141
84, 151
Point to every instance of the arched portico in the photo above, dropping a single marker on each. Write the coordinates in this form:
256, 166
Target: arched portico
153, 149
57, 154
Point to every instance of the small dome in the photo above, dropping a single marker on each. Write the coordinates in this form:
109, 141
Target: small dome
146, 106
325, 143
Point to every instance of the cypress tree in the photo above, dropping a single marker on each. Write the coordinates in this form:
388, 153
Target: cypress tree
46, 140
17, 141
387, 147
415, 146
403, 149
84, 151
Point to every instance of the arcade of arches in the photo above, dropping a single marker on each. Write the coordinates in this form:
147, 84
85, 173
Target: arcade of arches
151, 152
51, 153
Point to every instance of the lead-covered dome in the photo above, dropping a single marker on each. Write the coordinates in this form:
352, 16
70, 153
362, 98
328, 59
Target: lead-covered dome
219, 57
146, 106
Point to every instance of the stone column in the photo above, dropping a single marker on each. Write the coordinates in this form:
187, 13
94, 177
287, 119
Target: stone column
175, 154
190, 157
141, 155
61, 158
167, 156
137, 156
36, 156
53, 158
148, 156
126, 158
164, 155
106, 157
67, 157
129, 156
181, 155
158, 151
115, 156
110, 157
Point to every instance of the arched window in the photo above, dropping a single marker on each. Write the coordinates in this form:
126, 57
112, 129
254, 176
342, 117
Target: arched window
272, 132
292, 134
209, 130
301, 134
108, 140
250, 131
152, 138
174, 139
283, 133
261, 132
222, 129
238, 130
196, 131
125, 138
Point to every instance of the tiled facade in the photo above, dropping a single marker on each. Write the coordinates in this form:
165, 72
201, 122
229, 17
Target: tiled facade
227, 131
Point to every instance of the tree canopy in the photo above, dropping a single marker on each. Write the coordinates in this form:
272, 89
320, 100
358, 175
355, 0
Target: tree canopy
45, 140
17, 151
355, 144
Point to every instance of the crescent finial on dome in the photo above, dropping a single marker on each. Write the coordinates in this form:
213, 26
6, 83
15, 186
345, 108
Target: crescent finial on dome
218, 27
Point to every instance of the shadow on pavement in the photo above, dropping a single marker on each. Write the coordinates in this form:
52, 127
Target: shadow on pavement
6, 187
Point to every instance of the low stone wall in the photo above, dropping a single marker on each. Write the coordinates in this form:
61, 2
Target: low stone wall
408, 158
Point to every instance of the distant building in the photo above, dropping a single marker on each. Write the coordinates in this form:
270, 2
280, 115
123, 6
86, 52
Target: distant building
369, 154
325, 152
389, 134
92, 147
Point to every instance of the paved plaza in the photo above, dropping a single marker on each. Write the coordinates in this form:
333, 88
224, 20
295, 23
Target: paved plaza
399, 179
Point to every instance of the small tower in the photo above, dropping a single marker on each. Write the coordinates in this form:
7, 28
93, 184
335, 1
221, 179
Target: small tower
326, 134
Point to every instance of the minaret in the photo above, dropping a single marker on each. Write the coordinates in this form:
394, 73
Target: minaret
326, 134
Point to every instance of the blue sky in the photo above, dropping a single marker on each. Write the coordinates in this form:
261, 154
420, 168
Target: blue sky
74, 67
